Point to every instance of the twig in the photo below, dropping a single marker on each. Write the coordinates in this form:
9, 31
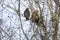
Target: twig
20, 20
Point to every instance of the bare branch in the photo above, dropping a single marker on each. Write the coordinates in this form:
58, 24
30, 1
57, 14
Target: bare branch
18, 12
57, 2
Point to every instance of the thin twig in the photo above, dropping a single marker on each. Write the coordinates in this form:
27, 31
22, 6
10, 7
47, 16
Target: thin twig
20, 20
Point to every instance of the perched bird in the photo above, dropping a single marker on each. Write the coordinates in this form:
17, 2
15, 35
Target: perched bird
35, 17
27, 13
